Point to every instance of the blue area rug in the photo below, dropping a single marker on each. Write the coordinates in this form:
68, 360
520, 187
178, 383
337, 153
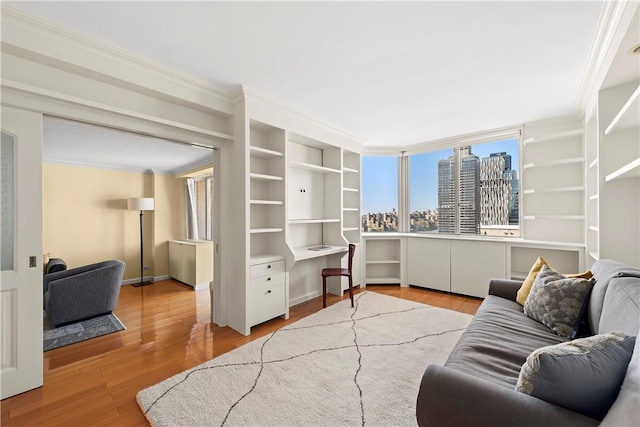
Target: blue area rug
81, 331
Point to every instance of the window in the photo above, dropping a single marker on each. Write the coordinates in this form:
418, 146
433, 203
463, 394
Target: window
471, 189
379, 194
204, 207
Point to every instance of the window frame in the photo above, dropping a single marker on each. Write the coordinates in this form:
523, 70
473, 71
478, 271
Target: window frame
456, 143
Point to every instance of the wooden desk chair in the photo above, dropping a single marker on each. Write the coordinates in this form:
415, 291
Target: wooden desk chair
329, 272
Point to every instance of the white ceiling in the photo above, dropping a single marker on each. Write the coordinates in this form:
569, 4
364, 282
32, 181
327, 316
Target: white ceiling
80, 144
395, 73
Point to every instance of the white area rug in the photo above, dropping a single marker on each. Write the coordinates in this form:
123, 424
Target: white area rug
339, 366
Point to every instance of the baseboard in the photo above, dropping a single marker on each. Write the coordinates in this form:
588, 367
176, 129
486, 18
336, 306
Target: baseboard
145, 279
305, 297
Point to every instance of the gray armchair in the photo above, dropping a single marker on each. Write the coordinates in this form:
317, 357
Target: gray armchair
82, 292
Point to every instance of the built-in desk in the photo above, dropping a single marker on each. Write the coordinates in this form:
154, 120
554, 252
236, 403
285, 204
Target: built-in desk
307, 252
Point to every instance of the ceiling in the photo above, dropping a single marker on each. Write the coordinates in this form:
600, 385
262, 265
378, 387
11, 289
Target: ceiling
395, 73
79, 144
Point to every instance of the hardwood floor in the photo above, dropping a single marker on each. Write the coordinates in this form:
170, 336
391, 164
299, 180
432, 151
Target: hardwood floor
168, 330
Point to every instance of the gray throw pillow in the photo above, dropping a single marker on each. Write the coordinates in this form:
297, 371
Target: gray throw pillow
557, 301
583, 375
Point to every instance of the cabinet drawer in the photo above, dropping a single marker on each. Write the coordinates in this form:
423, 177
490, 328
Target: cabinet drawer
266, 281
267, 268
266, 302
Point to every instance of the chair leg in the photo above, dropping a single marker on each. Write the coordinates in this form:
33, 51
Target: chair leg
324, 292
351, 289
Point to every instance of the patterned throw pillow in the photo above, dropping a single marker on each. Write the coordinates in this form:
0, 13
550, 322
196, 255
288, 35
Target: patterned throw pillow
583, 375
557, 301
527, 283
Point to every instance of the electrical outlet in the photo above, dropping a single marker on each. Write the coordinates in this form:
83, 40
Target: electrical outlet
145, 268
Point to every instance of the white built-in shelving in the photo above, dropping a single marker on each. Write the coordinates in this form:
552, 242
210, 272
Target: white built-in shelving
612, 143
553, 181
553, 137
383, 257
627, 116
629, 170
265, 294
555, 162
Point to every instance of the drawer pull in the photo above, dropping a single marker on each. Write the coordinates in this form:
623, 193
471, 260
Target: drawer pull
269, 266
269, 291
268, 279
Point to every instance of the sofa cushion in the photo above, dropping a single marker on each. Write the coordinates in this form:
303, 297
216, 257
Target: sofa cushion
498, 341
583, 375
626, 409
527, 284
621, 308
604, 270
557, 301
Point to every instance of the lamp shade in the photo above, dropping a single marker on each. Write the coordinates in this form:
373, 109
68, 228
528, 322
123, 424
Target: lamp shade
141, 204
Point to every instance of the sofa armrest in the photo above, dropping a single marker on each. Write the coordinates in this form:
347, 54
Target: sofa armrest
504, 288
451, 398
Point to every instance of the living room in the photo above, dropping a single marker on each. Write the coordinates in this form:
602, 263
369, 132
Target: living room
47, 71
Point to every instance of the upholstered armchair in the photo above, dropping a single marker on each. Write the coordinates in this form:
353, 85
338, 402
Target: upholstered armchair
82, 292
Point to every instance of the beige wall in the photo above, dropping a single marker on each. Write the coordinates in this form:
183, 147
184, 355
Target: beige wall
85, 217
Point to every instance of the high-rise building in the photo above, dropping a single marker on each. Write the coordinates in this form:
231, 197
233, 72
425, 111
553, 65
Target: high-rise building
469, 191
498, 190
447, 195
469, 196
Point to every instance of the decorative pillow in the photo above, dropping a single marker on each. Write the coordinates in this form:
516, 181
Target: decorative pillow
626, 409
525, 288
583, 375
556, 301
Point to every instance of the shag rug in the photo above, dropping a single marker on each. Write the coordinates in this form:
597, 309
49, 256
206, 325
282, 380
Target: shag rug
81, 331
339, 366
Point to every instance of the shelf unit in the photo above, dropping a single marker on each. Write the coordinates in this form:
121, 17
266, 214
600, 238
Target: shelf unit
383, 261
565, 258
266, 294
553, 181
618, 202
351, 196
313, 191
612, 135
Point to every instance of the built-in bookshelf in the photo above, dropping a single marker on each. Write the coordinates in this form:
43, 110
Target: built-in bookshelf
351, 196
267, 288
383, 261
612, 142
553, 187
618, 201
266, 187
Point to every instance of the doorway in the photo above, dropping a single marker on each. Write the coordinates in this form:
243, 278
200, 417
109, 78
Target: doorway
90, 171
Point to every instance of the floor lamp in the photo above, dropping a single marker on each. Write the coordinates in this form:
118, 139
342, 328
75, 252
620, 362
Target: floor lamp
141, 204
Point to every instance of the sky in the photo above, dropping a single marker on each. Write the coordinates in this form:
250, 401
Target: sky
380, 177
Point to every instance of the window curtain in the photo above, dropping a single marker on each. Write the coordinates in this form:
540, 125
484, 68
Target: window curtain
192, 212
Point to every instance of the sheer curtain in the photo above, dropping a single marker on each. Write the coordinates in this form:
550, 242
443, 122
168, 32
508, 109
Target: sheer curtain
192, 215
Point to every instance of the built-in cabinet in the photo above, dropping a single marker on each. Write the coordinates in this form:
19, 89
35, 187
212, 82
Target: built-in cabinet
302, 190
458, 264
612, 142
191, 262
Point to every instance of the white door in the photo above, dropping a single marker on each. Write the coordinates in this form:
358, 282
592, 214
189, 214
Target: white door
21, 252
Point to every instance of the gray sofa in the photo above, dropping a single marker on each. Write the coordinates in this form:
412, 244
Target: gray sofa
476, 385
82, 292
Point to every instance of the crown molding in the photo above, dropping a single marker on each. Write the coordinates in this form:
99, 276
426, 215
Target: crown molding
614, 16
245, 93
17, 87
37, 39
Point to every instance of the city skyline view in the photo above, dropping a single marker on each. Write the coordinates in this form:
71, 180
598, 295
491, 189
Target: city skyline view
380, 177
489, 190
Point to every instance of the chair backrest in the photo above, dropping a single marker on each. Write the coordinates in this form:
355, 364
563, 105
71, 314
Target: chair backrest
352, 250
